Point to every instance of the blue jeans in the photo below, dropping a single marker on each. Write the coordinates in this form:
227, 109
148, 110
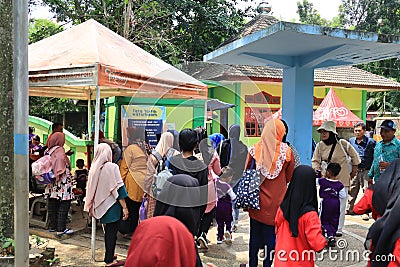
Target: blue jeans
235, 212
261, 235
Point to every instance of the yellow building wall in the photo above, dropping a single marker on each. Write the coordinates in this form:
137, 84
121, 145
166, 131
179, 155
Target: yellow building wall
350, 97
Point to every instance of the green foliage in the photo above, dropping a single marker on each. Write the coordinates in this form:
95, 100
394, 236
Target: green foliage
53, 261
39, 29
172, 30
7, 246
309, 15
381, 17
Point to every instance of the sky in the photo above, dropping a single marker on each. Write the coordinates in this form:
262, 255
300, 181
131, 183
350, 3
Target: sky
286, 9
281, 9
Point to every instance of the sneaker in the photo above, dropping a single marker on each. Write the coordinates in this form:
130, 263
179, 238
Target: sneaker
365, 217
66, 232
219, 240
339, 234
202, 242
331, 241
228, 237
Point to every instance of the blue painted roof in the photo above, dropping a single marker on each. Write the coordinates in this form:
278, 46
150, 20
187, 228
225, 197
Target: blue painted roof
287, 44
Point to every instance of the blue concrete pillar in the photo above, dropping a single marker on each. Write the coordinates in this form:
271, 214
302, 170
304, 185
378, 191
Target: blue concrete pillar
297, 108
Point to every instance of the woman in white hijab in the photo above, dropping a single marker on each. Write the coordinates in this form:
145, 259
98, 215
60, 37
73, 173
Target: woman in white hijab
105, 198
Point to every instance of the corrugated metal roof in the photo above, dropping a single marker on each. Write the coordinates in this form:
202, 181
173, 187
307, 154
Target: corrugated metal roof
345, 76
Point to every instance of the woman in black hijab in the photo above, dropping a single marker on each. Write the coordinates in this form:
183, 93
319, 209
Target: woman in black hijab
297, 225
180, 198
383, 237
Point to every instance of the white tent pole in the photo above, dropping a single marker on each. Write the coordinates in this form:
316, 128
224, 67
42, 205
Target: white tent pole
96, 142
89, 114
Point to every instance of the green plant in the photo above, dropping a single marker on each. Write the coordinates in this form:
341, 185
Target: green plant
7, 246
38, 241
52, 261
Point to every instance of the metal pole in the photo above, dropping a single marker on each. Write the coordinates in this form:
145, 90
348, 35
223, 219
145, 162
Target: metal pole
96, 142
89, 114
21, 165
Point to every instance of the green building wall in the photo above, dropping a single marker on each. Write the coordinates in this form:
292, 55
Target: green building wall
77, 145
185, 113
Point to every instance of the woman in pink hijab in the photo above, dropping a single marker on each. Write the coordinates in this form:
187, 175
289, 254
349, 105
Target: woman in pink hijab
105, 198
59, 193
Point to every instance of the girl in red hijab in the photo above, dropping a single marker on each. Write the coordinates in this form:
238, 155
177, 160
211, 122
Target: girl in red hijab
161, 241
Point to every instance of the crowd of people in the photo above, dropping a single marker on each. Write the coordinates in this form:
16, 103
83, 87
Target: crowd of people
202, 175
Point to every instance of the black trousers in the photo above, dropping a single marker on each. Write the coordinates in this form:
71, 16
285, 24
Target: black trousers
110, 240
205, 223
58, 213
133, 209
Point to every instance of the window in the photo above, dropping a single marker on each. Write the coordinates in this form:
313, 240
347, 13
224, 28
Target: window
254, 120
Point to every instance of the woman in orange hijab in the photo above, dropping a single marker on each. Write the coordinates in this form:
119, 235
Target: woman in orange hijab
275, 161
59, 193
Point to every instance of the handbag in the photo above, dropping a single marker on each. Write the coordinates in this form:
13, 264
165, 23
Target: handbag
143, 210
324, 164
248, 192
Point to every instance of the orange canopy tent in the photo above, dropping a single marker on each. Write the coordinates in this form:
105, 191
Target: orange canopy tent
73, 63
331, 108
89, 61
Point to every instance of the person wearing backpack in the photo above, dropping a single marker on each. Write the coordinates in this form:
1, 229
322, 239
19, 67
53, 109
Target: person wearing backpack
155, 164
187, 163
59, 193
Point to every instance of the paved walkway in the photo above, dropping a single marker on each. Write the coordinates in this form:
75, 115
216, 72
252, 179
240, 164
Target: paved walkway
76, 251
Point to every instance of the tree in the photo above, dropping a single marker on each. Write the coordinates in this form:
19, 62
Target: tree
172, 30
39, 29
6, 120
309, 15
381, 16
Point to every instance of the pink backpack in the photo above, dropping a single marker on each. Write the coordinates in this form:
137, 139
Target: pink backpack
42, 169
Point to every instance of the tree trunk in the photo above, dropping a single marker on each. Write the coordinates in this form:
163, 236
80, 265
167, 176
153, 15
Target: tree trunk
6, 120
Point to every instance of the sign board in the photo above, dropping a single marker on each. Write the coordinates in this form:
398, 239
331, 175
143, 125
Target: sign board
152, 118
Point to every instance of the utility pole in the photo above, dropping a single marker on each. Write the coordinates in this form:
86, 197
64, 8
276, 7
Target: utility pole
21, 103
